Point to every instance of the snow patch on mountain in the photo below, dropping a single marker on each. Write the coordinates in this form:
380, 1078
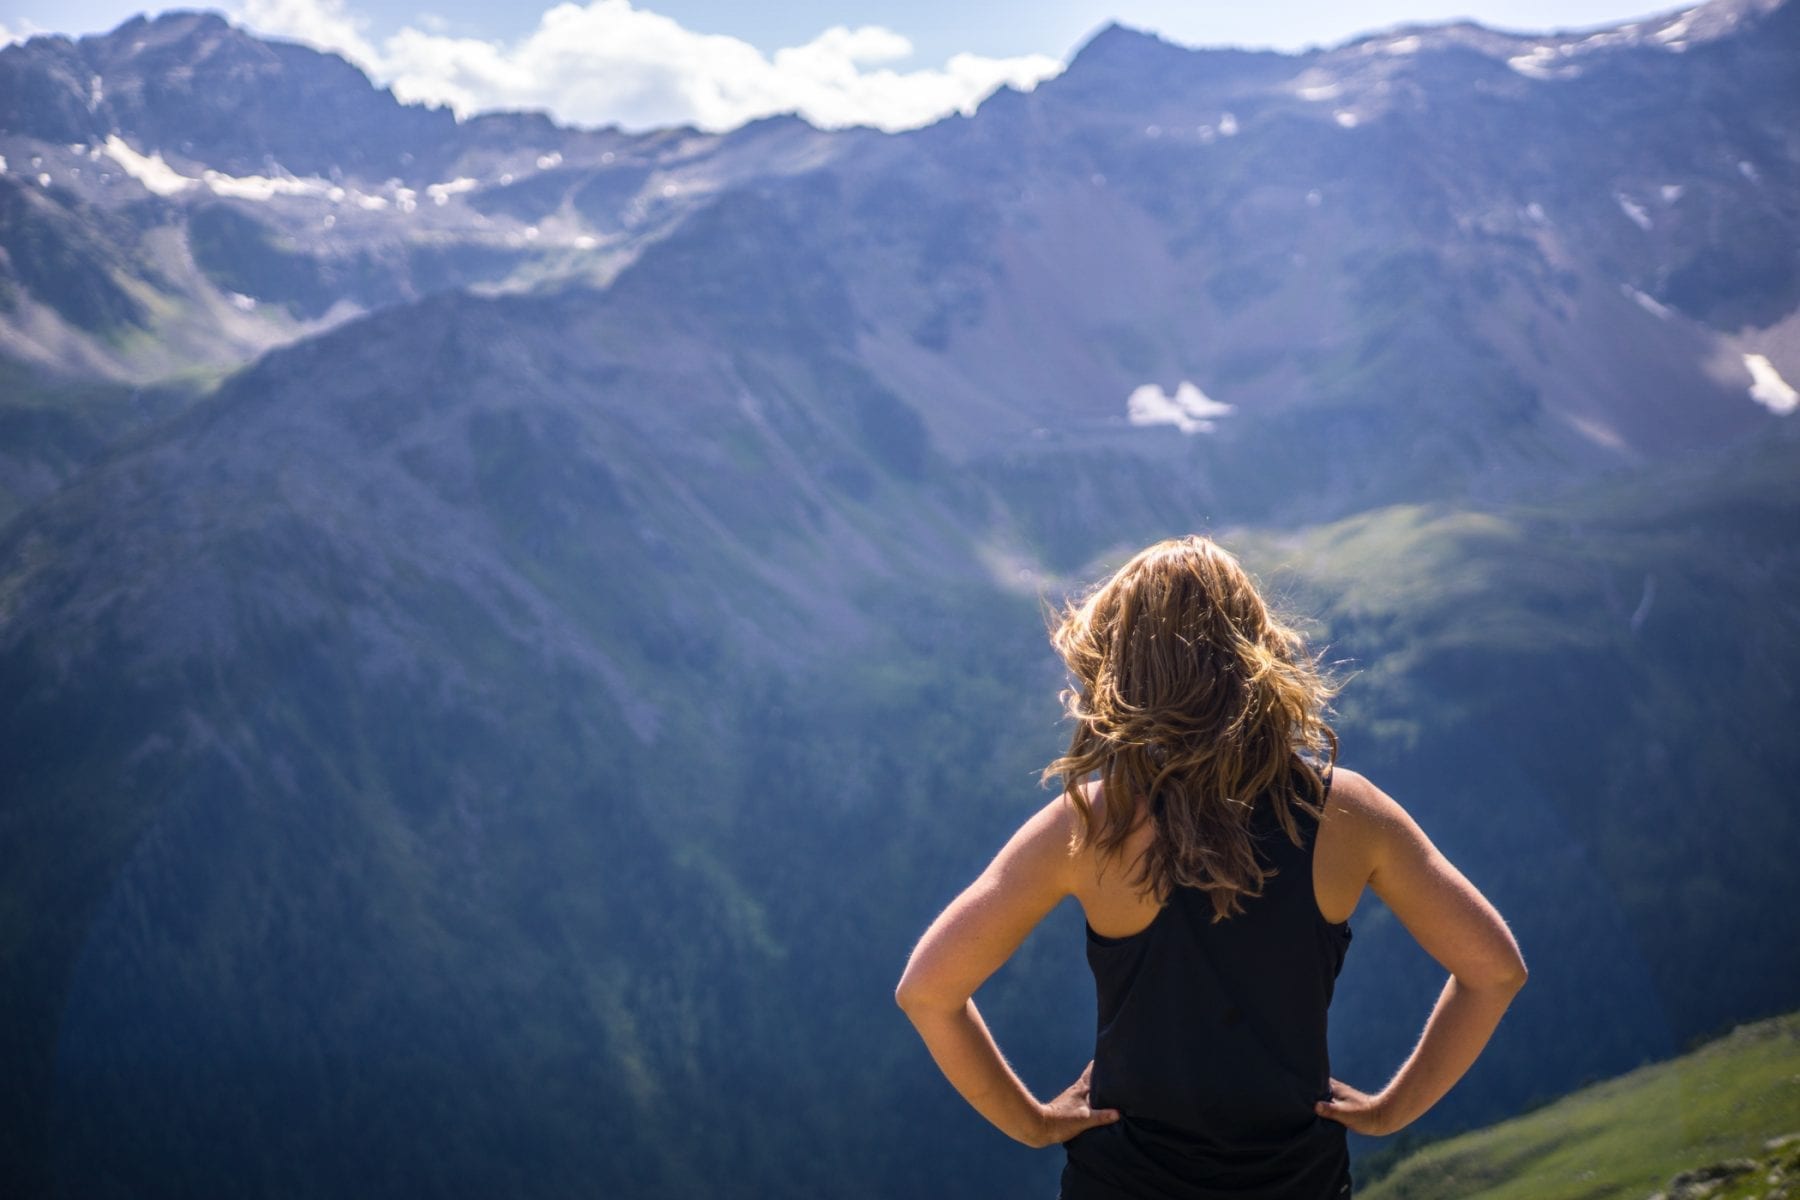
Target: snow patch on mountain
440, 193
1648, 303
1536, 64
163, 180
265, 187
1673, 36
1189, 409
1768, 388
149, 170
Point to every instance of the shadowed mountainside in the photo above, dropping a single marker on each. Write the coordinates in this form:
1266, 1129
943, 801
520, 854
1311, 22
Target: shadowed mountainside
505, 737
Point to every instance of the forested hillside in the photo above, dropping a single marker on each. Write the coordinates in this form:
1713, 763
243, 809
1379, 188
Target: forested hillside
488, 712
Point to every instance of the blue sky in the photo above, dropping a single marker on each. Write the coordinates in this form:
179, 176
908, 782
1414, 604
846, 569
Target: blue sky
716, 63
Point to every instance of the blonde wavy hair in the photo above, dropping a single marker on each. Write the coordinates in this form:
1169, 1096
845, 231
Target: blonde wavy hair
1193, 704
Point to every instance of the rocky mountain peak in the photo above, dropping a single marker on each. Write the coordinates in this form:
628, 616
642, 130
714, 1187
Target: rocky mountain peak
173, 26
192, 86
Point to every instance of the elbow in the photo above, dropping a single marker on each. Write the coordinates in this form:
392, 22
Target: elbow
1509, 983
1514, 974
1505, 977
908, 995
915, 998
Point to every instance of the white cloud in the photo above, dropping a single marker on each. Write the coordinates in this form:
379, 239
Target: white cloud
27, 29
608, 62
325, 24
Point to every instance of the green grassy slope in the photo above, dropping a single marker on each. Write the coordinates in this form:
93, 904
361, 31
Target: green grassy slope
1628, 1137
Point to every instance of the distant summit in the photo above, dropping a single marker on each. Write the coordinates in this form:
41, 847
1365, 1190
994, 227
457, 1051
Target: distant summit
190, 83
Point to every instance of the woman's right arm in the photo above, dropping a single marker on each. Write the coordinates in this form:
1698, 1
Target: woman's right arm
1456, 925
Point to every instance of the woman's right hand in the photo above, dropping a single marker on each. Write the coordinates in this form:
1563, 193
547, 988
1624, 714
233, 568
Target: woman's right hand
1357, 1111
1070, 1114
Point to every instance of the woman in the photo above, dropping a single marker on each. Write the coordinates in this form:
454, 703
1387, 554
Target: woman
1218, 854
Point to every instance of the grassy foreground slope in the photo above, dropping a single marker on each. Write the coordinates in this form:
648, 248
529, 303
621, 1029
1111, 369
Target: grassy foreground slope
1625, 1138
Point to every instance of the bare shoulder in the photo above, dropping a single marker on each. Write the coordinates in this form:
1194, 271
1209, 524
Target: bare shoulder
1439, 906
1081, 849
1047, 844
1358, 809
982, 927
1360, 820
1058, 823
1372, 821
1107, 885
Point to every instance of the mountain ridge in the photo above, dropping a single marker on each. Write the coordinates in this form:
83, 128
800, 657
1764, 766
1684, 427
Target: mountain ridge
496, 677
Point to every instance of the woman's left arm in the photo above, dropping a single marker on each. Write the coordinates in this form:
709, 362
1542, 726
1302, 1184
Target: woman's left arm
966, 944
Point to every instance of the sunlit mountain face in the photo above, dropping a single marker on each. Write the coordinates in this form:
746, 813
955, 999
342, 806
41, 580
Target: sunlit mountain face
507, 633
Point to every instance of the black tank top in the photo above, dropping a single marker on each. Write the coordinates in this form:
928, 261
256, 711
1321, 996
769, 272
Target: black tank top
1211, 1045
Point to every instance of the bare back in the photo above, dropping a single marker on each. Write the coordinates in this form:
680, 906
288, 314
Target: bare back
1343, 861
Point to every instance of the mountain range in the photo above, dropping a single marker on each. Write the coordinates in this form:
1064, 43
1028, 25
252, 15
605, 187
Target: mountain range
507, 631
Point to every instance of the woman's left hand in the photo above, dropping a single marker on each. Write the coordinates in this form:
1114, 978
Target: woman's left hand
1357, 1111
1070, 1114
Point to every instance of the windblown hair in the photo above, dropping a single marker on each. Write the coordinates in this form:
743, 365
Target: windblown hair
1193, 704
